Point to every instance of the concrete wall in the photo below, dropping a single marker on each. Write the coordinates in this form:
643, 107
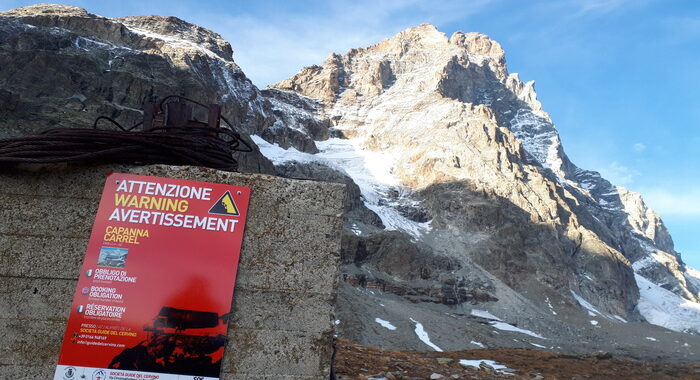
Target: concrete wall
285, 290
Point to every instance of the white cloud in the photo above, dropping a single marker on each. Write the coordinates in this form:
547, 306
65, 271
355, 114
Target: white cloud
639, 147
673, 202
278, 45
619, 174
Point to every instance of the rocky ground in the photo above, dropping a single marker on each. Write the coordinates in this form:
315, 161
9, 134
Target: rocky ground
355, 362
373, 318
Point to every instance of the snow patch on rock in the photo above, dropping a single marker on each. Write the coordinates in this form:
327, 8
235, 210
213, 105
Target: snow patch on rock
385, 324
664, 308
371, 171
484, 314
508, 327
423, 336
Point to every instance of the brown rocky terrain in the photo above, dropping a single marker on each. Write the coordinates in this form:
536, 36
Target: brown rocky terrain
355, 362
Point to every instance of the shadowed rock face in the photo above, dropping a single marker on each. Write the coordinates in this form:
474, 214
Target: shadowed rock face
474, 146
297, 122
63, 67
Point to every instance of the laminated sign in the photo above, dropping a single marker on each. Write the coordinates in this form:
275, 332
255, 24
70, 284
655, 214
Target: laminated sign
157, 281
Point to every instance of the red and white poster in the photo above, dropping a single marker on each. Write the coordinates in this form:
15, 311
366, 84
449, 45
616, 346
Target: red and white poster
157, 281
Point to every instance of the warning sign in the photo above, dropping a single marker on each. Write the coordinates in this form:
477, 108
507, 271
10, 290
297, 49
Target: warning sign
225, 206
157, 281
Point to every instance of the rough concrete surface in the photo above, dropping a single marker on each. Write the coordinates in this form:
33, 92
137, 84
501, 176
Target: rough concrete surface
283, 305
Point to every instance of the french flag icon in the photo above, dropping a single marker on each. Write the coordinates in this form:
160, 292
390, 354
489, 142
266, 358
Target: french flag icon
80, 308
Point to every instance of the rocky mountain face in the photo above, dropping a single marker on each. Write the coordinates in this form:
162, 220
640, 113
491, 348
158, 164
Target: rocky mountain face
486, 197
466, 225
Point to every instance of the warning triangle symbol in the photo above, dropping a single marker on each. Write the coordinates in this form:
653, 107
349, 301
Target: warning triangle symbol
225, 206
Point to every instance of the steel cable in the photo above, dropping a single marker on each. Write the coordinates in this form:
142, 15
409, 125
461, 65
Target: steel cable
191, 145
182, 145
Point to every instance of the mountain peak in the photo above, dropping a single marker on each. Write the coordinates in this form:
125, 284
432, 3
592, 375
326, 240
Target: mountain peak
421, 35
421, 58
422, 30
473, 43
449, 111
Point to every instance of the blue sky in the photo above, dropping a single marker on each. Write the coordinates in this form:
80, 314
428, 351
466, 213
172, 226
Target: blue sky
620, 78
